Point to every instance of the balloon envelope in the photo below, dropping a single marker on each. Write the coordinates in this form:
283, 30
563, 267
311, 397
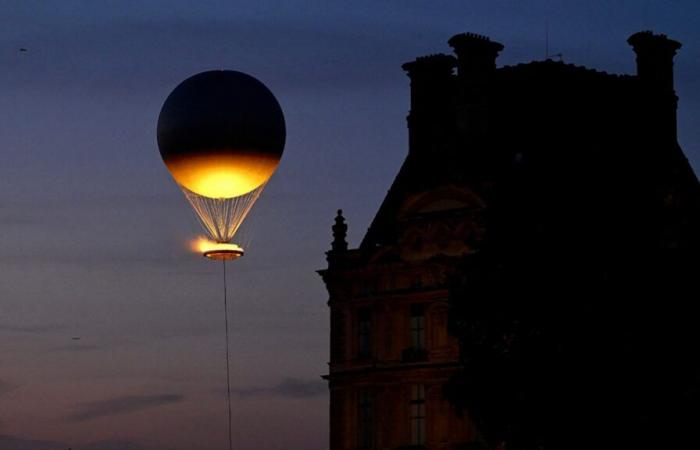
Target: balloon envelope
221, 134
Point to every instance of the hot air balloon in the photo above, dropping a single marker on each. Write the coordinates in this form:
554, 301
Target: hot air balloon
221, 134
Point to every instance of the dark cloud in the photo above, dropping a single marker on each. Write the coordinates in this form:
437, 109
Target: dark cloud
8, 442
121, 405
289, 388
33, 329
114, 445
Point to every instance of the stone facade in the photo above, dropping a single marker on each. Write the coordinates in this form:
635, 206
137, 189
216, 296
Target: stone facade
475, 132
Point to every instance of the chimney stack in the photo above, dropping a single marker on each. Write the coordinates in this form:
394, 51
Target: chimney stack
476, 55
476, 63
432, 101
655, 54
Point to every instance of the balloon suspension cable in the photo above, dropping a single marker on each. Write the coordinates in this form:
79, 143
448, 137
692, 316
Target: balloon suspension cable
228, 370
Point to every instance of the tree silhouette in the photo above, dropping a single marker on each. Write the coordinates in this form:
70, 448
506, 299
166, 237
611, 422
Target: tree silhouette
571, 338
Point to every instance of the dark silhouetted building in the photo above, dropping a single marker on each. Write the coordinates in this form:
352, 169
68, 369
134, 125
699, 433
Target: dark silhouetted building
545, 157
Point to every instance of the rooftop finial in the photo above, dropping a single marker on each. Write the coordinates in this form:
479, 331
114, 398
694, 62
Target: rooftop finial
340, 232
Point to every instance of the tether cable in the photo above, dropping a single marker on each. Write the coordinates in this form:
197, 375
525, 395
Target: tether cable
228, 369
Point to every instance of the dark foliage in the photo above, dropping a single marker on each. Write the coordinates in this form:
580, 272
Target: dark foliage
577, 335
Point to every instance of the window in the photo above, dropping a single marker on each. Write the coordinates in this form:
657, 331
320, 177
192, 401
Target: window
364, 329
417, 283
364, 420
338, 327
418, 414
367, 287
417, 327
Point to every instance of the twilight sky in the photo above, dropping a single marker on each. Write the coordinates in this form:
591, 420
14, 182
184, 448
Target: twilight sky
93, 232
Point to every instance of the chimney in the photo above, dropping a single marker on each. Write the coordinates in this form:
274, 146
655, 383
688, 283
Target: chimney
432, 101
476, 55
476, 63
655, 54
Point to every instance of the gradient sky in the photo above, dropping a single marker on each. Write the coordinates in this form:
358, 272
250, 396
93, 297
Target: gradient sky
93, 231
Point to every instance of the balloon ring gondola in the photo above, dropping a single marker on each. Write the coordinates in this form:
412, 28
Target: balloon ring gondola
224, 254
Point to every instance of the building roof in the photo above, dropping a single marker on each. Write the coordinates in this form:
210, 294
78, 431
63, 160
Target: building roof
563, 120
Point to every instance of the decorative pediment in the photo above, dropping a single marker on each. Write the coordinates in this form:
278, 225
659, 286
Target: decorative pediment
445, 221
447, 198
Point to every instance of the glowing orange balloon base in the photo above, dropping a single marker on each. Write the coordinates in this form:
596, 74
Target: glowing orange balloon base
223, 255
222, 175
219, 251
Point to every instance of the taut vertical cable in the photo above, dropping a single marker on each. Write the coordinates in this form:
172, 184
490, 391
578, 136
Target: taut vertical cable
228, 370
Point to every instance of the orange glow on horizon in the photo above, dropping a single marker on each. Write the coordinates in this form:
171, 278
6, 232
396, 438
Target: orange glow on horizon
219, 175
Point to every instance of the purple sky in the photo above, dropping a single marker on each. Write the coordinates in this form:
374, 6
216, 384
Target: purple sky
93, 232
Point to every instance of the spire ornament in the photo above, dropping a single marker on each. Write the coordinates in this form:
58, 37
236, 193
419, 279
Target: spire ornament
340, 232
